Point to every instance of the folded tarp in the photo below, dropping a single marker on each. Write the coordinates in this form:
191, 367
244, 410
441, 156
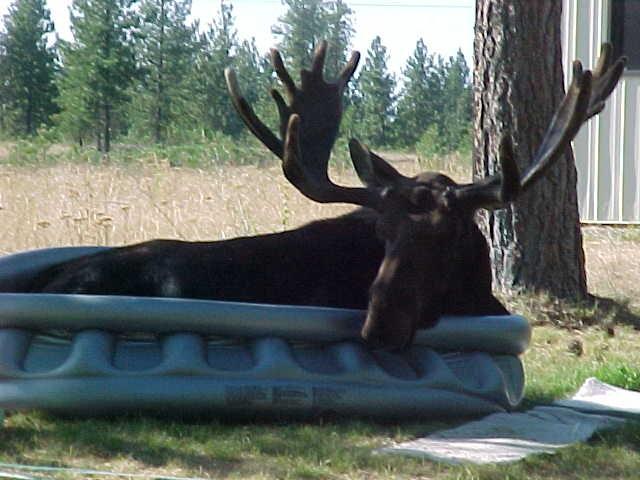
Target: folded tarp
74, 354
509, 437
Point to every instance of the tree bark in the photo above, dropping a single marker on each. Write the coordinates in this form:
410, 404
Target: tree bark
29, 115
107, 128
536, 243
159, 120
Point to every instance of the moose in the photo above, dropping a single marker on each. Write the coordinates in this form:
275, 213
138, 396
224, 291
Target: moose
410, 254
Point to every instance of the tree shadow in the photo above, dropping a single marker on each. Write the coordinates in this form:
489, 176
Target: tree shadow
145, 440
574, 314
615, 311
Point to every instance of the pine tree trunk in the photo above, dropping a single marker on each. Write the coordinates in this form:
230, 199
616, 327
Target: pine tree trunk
107, 128
158, 130
536, 243
29, 115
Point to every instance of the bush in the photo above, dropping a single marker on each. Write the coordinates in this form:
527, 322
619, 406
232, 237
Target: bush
431, 144
219, 150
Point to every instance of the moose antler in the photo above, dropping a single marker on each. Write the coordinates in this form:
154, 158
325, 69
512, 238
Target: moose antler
585, 98
314, 185
316, 101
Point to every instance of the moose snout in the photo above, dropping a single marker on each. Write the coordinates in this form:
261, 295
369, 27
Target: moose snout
393, 334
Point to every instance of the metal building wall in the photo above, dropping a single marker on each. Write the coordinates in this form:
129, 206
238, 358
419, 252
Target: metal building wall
607, 149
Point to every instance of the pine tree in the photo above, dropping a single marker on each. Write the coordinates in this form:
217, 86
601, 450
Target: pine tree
340, 31
27, 67
376, 86
220, 49
217, 46
300, 30
420, 103
250, 64
166, 49
99, 68
457, 108
306, 23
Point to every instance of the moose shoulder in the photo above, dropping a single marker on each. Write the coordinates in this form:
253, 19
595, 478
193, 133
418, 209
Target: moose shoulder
411, 253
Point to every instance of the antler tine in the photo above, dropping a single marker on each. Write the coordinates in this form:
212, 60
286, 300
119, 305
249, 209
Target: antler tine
348, 70
495, 190
564, 126
319, 187
250, 119
498, 189
318, 101
283, 73
319, 57
605, 78
248, 116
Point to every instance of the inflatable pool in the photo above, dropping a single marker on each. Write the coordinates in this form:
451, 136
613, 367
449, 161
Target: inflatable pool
87, 355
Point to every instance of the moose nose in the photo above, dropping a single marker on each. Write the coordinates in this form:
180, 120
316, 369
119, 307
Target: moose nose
373, 338
380, 338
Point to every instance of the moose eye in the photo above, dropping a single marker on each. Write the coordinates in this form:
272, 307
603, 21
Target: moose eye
387, 193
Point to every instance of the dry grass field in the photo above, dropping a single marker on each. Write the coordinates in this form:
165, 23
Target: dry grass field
116, 205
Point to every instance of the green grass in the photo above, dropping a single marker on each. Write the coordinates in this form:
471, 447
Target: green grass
221, 150
341, 448
204, 153
555, 368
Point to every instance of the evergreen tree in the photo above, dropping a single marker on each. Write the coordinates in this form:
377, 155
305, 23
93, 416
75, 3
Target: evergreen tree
457, 109
306, 23
300, 30
250, 64
217, 45
99, 69
376, 87
27, 67
221, 49
340, 31
420, 103
166, 49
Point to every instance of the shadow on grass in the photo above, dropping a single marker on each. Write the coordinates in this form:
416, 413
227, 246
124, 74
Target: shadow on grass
542, 309
149, 441
277, 449
220, 448
615, 311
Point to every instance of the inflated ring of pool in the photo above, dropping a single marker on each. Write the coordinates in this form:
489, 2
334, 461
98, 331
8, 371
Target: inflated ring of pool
88, 355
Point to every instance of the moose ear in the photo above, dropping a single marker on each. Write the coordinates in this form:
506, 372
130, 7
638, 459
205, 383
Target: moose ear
372, 170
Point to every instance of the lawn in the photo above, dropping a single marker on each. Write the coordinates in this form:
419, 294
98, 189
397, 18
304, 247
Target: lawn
80, 203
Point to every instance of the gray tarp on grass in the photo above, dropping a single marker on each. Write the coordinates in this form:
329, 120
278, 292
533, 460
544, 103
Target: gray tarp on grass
241, 359
509, 437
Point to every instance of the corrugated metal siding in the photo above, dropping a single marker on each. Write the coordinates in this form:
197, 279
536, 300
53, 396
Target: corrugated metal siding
607, 149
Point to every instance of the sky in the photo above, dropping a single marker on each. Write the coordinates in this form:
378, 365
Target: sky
445, 25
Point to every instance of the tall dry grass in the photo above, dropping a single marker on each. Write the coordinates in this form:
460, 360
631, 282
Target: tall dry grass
613, 262
118, 204
80, 204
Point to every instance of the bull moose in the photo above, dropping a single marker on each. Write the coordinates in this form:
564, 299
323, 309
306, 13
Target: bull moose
411, 253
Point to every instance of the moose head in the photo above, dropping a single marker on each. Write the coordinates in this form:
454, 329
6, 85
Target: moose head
425, 221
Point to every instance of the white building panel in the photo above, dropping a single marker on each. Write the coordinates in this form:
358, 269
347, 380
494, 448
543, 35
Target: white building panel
607, 149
